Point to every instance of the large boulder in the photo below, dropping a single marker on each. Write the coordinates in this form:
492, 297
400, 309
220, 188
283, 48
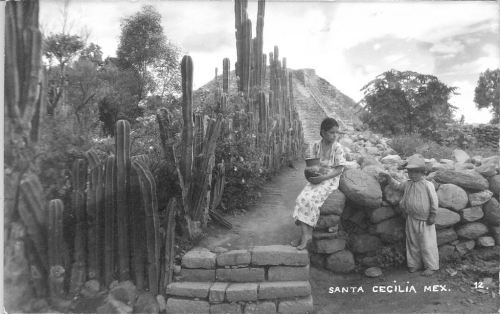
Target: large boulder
446, 218
329, 245
471, 214
436, 166
452, 196
486, 241
479, 198
334, 204
381, 213
446, 236
340, 262
495, 232
374, 171
361, 188
494, 160
492, 212
465, 247
464, 166
392, 195
472, 230
487, 170
367, 160
460, 156
363, 243
494, 184
391, 230
391, 160
468, 179
327, 221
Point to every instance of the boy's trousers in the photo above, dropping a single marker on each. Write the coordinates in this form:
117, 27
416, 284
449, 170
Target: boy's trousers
421, 244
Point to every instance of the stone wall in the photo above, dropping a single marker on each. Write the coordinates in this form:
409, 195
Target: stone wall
264, 279
483, 135
361, 224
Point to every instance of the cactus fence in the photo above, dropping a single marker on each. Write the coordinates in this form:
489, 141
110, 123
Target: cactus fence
268, 115
117, 226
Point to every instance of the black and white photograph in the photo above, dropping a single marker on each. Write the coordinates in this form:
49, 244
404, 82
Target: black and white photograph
250, 156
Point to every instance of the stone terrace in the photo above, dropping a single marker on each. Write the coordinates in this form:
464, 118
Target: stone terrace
264, 279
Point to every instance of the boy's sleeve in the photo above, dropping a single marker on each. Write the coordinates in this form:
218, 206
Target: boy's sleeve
433, 197
395, 184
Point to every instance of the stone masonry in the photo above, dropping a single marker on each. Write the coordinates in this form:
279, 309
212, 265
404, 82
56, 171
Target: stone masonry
263, 279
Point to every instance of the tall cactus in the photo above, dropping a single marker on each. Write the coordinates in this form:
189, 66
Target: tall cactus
109, 218
94, 211
169, 244
225, 75
55, 236
56, 248
152, 224
78, 180
122, 138
138, 229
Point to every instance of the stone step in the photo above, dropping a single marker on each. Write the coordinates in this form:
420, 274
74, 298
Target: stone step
235, 292
279, 255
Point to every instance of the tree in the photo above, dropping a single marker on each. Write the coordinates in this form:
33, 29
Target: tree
83, 88
63, 48
487, 93
119, 98
406, 102
92, 53
143, 47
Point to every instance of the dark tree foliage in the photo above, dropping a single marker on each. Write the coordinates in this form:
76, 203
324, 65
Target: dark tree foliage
487, 93
120, 96
62, 48
406, 102
144, 48
92, 53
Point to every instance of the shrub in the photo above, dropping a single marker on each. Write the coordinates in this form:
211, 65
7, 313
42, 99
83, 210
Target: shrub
407, 145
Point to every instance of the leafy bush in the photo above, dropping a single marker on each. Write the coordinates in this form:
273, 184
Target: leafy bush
407, 145
244, 171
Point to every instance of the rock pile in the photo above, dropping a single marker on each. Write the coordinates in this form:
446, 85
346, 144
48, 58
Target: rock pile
265, 279
361, 223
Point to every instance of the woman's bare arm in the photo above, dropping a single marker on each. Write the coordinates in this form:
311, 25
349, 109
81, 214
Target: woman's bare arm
335, 172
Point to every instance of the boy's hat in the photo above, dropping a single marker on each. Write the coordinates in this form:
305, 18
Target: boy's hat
415, 162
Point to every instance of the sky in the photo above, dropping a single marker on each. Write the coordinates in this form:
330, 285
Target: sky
348, 43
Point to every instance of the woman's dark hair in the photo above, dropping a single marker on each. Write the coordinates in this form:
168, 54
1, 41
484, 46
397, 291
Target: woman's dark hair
327, 124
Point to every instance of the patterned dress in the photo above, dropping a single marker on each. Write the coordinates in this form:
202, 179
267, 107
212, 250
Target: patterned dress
313, 196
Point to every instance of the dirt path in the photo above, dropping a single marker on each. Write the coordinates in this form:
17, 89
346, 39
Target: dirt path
270, 222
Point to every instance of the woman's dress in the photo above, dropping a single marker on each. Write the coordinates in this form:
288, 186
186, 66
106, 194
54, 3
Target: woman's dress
313, 196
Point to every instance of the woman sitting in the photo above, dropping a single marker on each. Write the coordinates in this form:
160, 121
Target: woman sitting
319, 187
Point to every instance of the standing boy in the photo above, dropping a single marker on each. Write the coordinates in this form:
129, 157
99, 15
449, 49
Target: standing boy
419, 203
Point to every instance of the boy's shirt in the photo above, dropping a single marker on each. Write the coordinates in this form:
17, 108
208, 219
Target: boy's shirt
419, 198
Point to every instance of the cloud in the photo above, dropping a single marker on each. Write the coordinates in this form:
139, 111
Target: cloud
207, 41
465, 104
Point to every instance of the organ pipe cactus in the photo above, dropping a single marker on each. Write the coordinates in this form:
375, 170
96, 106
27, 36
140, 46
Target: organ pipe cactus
94, 208
137, 226
152, 224
109, 218
225, 74
122, 138
31, 210
78, 180
56, 248
55, 232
